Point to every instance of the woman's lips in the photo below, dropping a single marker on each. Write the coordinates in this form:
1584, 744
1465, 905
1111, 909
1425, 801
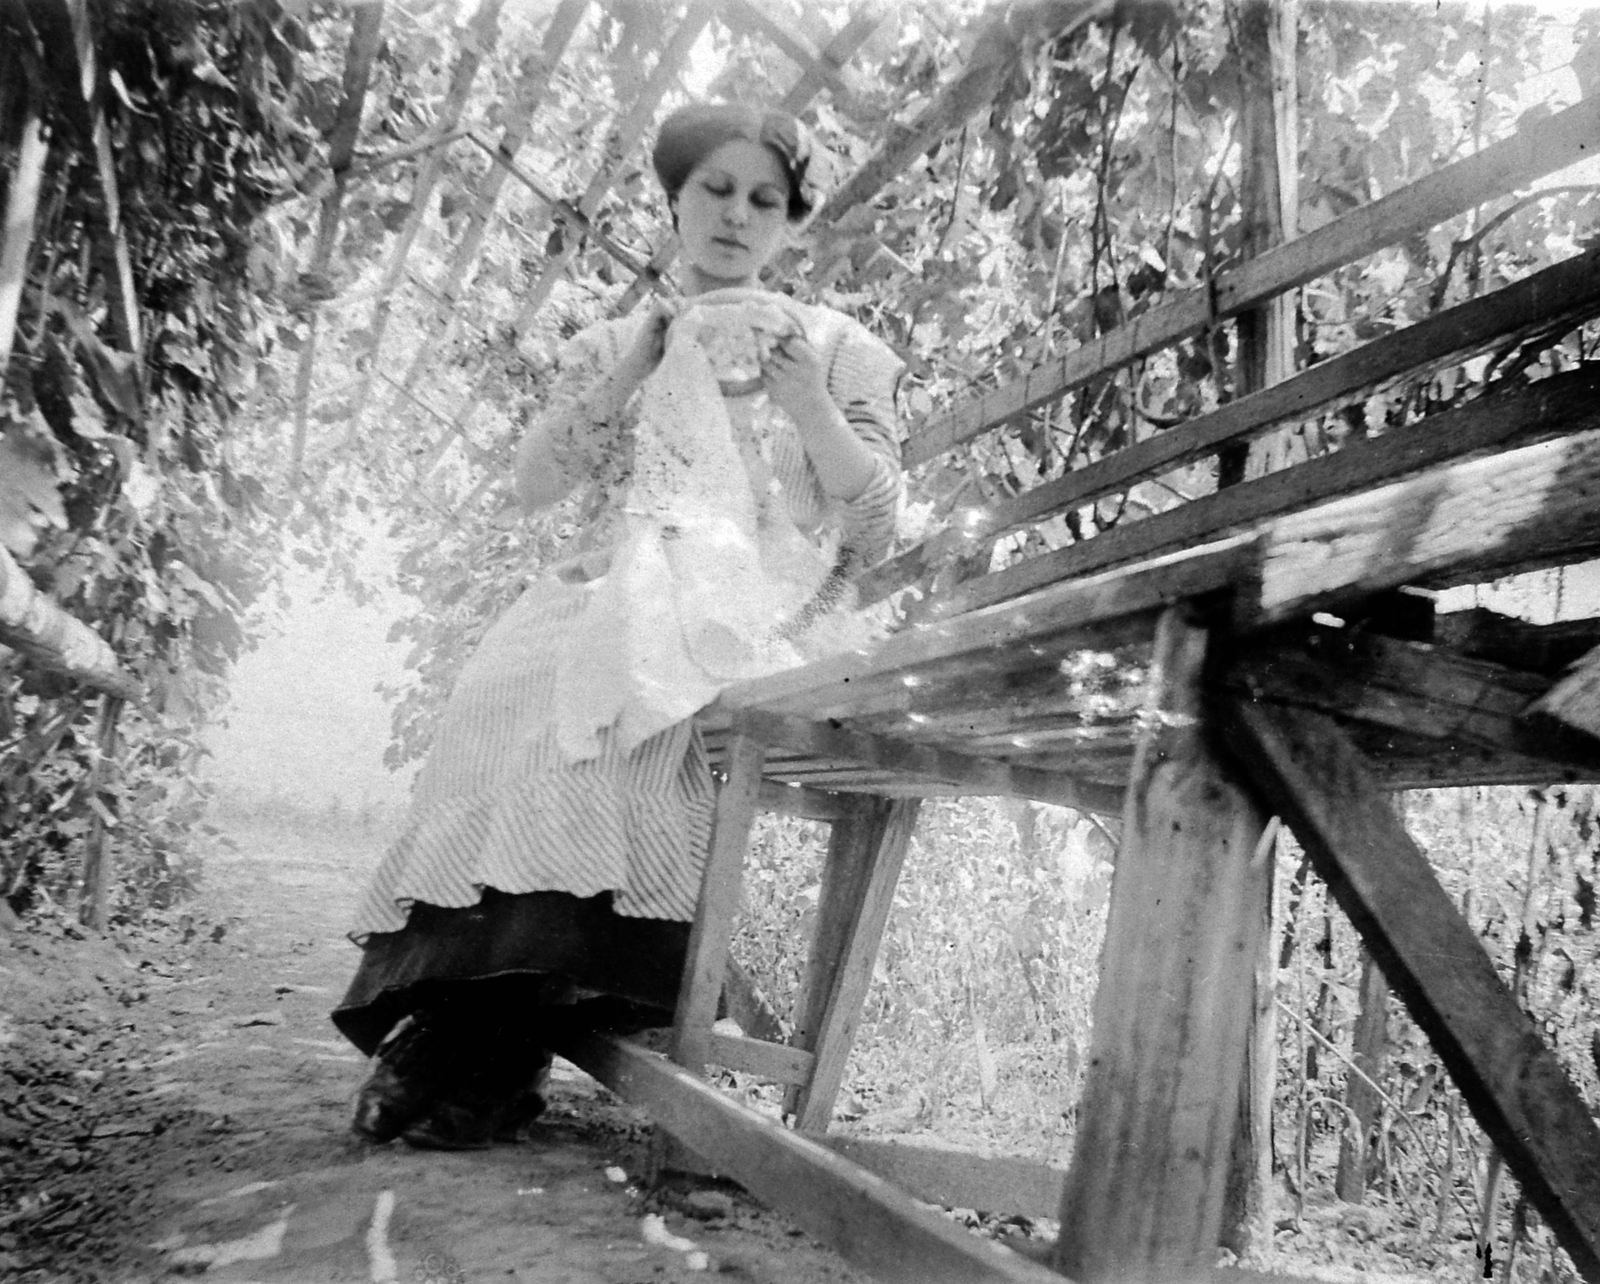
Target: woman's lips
727, 242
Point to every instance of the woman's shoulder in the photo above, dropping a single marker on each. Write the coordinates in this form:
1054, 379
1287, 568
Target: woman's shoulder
600, 342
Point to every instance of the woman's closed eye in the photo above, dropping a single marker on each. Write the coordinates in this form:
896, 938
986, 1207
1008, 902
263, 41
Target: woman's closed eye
762, 200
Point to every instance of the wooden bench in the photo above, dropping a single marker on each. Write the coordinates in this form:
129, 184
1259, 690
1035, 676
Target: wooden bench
1290, 666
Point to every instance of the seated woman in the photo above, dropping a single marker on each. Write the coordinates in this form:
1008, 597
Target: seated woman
739, 454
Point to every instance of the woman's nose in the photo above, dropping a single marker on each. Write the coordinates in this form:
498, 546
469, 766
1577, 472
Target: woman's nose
735, 213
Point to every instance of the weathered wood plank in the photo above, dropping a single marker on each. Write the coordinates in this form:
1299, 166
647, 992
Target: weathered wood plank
807, 804
1144, 1196
1567, 403
1566, 291
1540, 148
866, 867
1483, 634
707, 957
1456, 520
958, 1178
49, 637
858, 1214
1422, 690
1085, 613
1434, 961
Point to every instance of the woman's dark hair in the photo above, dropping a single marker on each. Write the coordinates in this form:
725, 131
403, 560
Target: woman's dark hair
692, 133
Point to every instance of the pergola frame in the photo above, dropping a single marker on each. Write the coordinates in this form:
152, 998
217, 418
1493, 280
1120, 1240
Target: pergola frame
1253, 708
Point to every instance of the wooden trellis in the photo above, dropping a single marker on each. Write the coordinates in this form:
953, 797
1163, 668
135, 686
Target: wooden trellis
1297, 664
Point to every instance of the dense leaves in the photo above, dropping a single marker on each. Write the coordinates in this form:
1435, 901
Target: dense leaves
129, 496
151, 491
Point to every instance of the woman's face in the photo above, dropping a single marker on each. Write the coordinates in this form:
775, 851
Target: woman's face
733, 214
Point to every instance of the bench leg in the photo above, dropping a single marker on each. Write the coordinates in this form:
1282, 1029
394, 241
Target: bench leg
859, 875
706, 964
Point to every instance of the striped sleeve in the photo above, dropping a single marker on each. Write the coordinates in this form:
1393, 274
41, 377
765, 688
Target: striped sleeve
581, 448
862, 376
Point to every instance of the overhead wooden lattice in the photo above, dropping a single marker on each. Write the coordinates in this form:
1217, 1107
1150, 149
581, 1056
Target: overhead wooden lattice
396, 378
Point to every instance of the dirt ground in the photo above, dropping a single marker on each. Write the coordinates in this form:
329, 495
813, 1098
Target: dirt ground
174, 1103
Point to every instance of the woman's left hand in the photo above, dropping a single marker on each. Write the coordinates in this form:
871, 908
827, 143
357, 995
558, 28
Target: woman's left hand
796, 378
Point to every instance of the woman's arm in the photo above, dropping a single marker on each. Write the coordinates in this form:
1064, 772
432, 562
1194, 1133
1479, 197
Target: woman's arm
797, 379
570, 439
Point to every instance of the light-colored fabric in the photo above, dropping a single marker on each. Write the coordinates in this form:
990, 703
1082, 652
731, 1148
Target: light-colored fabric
565, 760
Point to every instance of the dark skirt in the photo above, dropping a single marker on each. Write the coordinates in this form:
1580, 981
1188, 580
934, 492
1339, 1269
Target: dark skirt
533, 953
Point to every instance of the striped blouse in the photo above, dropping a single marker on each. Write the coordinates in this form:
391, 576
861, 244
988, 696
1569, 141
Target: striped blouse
499, 803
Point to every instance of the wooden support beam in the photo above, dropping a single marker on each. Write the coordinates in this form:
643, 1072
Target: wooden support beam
1144, 1195
1434, 961
1566, 292
1540, 148
775, 1061
974, 774
859, 876
49, 637
707, 958
1483, 634
859, 1215
1425, 691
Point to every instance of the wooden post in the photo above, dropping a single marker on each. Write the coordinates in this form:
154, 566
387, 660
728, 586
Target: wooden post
1269, 193
707, 959
22, 199
95, 910
1144, 1193
858, 882
1432, 958
1369, 1044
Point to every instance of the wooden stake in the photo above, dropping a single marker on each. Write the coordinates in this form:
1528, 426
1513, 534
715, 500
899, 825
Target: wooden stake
1145, 1190
1433, 960
22, 200
97, 865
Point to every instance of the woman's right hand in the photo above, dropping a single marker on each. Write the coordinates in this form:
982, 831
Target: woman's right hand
645, 355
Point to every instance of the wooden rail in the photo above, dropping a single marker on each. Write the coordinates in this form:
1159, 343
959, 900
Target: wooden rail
1540, 148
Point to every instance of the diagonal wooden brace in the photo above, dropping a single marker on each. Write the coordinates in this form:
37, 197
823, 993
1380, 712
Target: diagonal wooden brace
858, 881
1309, 771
